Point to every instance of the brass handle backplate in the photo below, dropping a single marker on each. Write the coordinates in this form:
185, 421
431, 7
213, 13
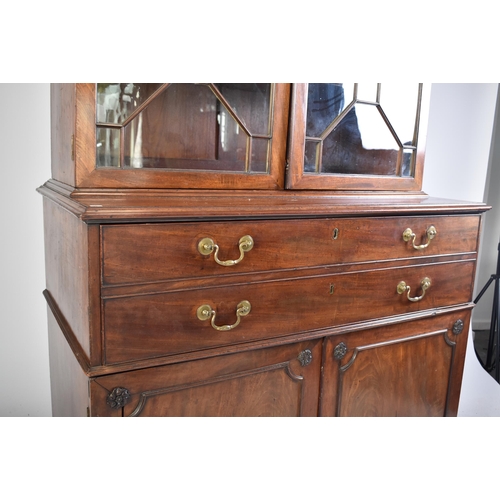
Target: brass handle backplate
403, 287
408, 235
207, 245
205, 312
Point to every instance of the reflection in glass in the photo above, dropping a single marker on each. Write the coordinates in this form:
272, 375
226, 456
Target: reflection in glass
367, 92
311, 154
260, 154
353, 144
325, 101
116, 101
407, 157
251, 102
372, 134
224, 127
107, 147
399, 102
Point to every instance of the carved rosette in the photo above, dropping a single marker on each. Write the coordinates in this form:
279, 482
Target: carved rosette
340, 351
305, 357
118, 397
458, 327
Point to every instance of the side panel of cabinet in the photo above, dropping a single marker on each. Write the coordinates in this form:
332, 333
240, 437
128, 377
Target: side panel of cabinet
410, 370
62, 118
68, 382
72, 274
281, 381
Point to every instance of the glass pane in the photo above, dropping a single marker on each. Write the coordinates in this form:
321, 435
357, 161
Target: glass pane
407, 170
325, 102
310, 156
367, 92
232, 144
107, 147
185, 127
399, 103
361, 144
251, 103
352, 137
115, 101
258, 162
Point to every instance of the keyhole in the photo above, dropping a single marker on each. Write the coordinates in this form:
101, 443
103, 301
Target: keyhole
332, 287
335, 234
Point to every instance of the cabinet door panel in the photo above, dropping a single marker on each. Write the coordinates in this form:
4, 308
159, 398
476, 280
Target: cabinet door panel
352, 136
282, 381
215, 136
411, 369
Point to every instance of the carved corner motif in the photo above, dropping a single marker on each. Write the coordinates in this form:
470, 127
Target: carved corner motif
118, 397
458, 327
305, 357
340, 351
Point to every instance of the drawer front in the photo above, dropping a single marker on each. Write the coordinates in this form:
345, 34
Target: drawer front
141, 327
143, 253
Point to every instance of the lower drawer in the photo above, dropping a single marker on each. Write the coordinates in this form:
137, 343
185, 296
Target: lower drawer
146, 326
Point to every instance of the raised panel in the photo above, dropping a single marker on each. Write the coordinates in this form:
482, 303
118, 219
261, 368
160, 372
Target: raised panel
244, 394
281, 381
369, 386
406, 370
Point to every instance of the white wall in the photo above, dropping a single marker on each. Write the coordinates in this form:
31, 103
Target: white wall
458, 145
458, 141
461, 123
490, 234
25, 147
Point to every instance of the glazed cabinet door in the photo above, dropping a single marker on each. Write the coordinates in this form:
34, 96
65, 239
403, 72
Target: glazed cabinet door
180, 135
357, 136
411, 369
279, 381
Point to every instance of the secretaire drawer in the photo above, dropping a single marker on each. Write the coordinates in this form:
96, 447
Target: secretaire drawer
141, 253
145, 326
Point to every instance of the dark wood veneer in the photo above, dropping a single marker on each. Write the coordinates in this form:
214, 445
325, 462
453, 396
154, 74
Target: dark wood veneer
399, 370
141, 253
268, 382
166, 323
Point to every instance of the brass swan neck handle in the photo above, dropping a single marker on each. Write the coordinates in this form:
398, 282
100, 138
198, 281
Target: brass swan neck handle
207, 245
